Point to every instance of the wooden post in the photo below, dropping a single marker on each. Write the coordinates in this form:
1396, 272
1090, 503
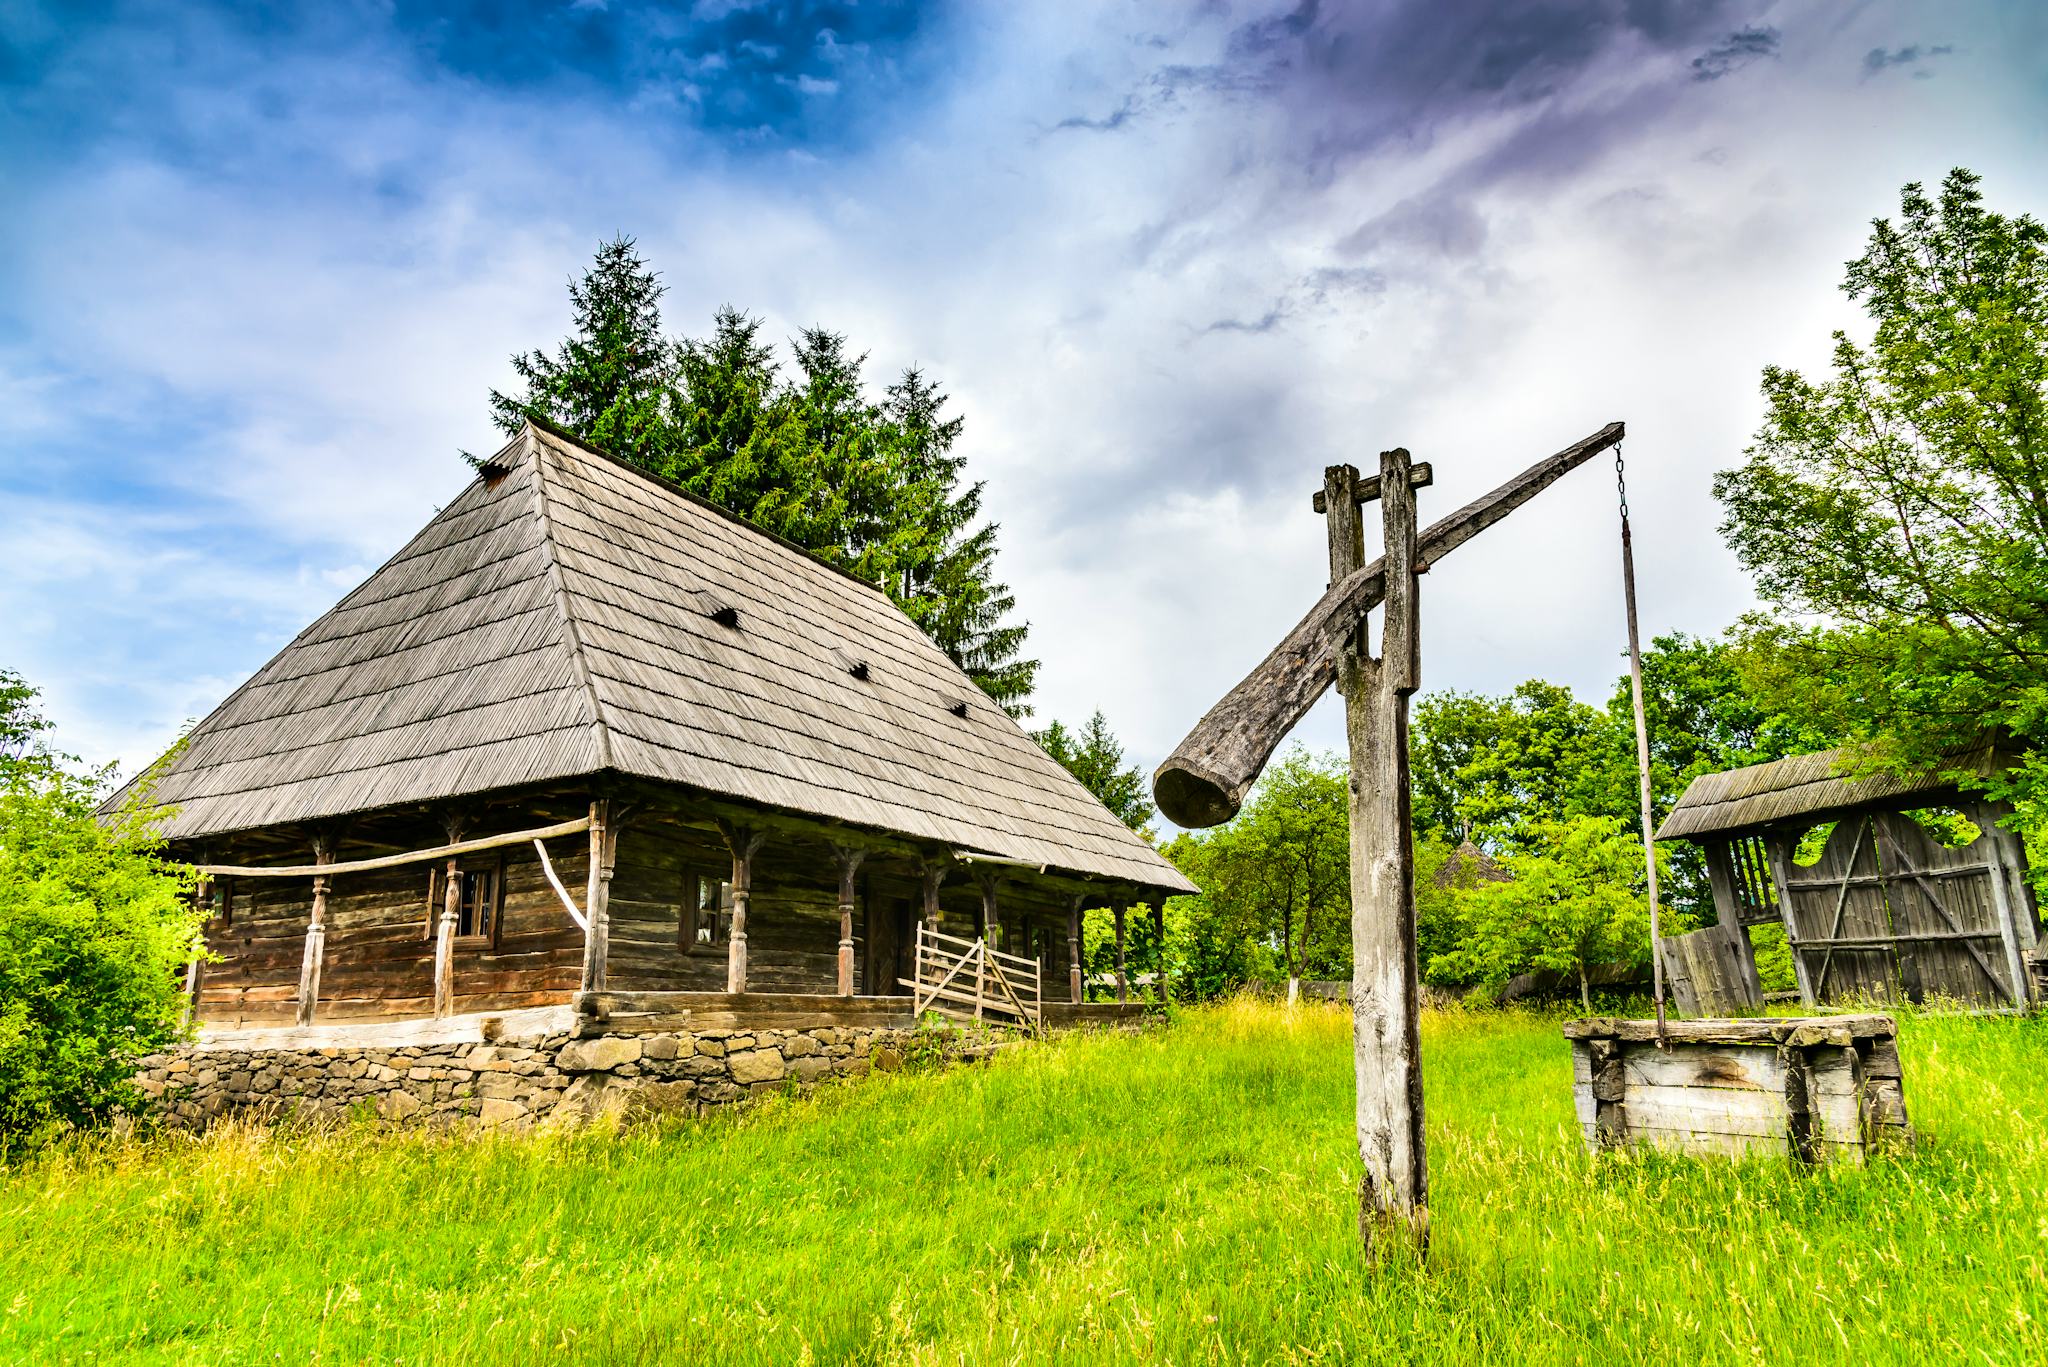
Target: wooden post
444, 930
1159, 948
932, 873
1778, 848
1076, 993
848, 859
990, 916
745, 843
316, 936
1385, 997
597, 896
1123, 986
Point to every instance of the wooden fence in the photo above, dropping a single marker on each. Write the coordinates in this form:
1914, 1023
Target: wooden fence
968, 980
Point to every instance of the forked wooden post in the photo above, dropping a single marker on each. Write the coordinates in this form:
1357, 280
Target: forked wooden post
847, 858
1075, 990
316, 936
744, 843
1385, 999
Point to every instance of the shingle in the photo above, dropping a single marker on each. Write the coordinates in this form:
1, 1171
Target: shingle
453, 670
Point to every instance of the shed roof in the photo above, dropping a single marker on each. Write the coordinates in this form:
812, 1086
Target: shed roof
1805, 788
569, 615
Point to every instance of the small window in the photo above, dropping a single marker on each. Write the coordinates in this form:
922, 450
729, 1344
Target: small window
478, 907
476, 915
217, 901
707, 913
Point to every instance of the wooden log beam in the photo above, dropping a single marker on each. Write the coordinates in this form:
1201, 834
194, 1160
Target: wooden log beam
1205, 780
931, 873
392, 861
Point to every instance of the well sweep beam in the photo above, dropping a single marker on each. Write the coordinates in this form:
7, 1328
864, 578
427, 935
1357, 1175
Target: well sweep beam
1205, 780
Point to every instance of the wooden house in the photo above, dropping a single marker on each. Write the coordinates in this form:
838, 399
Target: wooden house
1885, 911
589, 739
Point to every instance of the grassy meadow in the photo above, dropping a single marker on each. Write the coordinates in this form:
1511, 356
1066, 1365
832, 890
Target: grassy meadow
1182, 1196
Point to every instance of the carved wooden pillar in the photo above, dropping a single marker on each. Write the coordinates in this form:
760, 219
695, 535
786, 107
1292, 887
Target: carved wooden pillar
991, 923
1159, 948
847, 859
933, 872
444, 931
597, 895
1123, 986
316, 936
1075, 990
195, 967
744, 843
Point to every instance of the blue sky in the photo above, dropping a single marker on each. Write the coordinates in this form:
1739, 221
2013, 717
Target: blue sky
260, 265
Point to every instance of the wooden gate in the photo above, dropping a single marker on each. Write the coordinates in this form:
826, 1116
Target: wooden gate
968, 980
1887, 912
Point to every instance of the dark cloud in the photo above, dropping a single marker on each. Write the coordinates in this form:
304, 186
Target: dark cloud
1434, 226
1265, 322
1877, 60
1734, 52
1108, 123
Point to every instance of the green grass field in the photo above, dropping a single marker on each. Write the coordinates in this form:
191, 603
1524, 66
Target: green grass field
1182, 1196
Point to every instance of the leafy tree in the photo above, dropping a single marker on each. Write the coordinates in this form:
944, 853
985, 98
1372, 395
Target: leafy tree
1895, 510
1279, 874
872, 486
1574, 899
1487, 768
94, 926
1096, 757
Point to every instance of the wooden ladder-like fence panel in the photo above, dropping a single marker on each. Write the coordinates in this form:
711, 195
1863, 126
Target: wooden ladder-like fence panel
968, 980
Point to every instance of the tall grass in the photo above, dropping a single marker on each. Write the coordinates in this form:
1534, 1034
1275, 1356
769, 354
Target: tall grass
1181, 1196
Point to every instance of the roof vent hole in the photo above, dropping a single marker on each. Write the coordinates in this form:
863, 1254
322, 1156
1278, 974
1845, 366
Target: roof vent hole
958, 709
726, 616
859, 670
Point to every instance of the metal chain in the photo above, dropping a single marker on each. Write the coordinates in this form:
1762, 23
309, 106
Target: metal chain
1621, 481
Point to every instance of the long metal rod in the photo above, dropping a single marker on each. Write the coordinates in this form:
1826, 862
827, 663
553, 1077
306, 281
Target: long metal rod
1635, 674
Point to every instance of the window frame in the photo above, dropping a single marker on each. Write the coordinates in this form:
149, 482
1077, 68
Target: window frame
490, 865
692, 913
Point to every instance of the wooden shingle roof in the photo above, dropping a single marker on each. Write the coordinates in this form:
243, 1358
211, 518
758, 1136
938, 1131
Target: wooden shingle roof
1804, 788
568, 615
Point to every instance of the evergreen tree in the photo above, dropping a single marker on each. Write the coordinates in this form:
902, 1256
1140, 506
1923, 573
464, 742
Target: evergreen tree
875, 487
613, 381
1096, 757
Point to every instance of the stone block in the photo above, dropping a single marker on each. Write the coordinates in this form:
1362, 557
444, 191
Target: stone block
799, 1046
660, 1047
711, 1048
597, 1055
398, 1105
497, 1111
756, 1065
811, 1067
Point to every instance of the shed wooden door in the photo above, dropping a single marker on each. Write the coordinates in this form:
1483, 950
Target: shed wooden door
1887, 912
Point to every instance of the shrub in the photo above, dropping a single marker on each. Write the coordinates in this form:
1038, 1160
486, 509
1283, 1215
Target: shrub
94, 928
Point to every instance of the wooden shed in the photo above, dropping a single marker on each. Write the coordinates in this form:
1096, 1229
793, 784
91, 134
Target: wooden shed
587, 739
1886, 912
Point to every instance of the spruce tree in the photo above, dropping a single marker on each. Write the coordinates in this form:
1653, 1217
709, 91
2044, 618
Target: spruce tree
872, 486
613, 381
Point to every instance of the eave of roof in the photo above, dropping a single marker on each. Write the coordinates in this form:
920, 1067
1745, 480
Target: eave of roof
1808, 790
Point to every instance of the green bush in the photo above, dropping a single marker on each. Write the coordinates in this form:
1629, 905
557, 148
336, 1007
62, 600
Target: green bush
94, 928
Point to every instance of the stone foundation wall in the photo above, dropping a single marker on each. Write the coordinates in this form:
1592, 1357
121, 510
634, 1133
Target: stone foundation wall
512, 1083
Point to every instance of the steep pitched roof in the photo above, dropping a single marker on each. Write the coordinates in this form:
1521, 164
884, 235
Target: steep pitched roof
568, 615
1810, 788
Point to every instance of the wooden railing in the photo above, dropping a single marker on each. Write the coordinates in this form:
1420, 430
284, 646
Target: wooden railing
968, 980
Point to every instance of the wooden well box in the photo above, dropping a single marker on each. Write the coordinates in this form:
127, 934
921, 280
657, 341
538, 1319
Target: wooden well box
1813, 1088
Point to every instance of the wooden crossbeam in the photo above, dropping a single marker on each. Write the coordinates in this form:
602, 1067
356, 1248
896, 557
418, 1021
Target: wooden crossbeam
1204, 781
